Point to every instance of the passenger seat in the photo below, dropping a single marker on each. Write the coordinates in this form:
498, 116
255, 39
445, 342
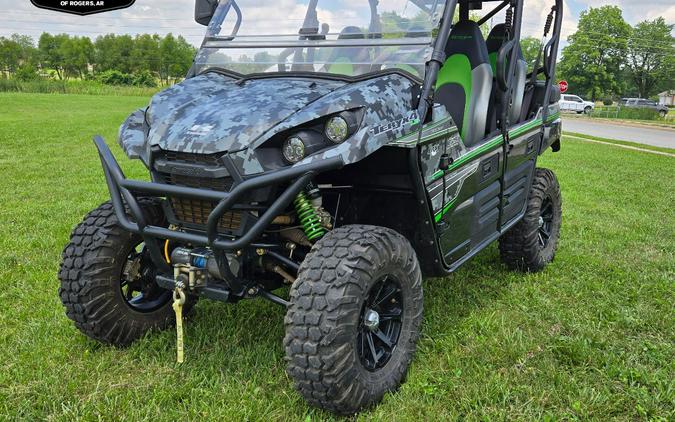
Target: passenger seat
496, 39
464, 82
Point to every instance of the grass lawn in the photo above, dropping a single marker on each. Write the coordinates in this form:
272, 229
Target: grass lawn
591, 337
625, 143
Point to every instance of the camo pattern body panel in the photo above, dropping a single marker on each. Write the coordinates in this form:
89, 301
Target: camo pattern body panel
132, 134
213, 113
388, 102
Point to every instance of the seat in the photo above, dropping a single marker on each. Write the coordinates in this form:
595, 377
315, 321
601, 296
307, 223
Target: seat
495, 40
465, 81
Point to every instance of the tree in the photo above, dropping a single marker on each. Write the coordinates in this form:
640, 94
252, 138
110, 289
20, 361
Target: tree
10, 55
530, 47
651, 57
596, 53
113, 52
76, 54
176, 57
51, 52
145, 54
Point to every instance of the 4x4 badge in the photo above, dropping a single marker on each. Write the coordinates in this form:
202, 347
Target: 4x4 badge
82, 7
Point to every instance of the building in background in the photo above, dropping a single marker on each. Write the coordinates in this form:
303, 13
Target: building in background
667, 98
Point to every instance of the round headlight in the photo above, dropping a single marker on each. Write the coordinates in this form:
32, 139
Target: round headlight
293, 149
337, 129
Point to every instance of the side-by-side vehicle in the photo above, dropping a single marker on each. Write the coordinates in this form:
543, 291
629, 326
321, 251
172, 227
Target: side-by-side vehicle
342, 149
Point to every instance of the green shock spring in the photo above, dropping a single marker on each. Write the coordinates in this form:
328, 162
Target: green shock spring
308, 218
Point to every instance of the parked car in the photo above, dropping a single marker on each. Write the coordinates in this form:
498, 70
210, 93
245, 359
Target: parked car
644, 103
576, 103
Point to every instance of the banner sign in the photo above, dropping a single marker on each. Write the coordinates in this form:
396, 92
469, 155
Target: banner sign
82, 7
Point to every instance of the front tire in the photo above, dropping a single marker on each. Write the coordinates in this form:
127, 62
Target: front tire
588, 110
354, 318
107, 280
663, 113
532, 243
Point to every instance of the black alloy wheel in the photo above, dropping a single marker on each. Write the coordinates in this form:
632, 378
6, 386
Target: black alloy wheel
545, 222
137, 282
380, 324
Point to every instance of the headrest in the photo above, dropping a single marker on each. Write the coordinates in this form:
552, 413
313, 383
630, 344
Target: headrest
497, 38
467, 39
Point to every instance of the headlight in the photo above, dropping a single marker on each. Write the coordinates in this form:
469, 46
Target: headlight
337, 129
293, 149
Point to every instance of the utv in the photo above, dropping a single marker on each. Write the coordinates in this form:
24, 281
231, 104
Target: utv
346, 158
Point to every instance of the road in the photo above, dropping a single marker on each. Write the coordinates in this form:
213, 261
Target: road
658, 137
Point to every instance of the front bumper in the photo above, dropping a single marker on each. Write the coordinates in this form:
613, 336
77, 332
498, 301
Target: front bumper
124, 195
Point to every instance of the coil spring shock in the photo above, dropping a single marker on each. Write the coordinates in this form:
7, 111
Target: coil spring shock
310, 221
509, 20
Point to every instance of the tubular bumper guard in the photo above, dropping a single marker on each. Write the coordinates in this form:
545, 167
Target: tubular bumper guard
123, 191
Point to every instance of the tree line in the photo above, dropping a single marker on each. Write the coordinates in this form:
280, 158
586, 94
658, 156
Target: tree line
607, 58
114, 59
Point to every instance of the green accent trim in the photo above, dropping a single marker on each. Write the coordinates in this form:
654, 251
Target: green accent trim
553, 117
412, 137
493, 62
488, 146
457, 70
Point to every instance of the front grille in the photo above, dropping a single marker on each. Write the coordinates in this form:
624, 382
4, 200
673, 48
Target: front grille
196, 212
208, 160
222, 184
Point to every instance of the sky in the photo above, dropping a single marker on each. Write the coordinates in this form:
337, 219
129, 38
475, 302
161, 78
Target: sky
176, 16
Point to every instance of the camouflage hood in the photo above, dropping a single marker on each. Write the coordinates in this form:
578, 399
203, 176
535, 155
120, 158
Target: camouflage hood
214, 113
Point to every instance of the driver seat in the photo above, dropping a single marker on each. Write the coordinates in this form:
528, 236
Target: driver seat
464, 81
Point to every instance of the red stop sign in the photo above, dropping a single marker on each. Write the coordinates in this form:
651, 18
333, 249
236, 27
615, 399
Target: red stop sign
563, 86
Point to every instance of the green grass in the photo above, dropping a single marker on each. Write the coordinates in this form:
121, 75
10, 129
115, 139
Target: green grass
591, 337
51, 86
628, 113
626, 143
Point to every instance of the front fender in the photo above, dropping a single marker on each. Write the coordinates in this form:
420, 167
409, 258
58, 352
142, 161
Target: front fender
132, 134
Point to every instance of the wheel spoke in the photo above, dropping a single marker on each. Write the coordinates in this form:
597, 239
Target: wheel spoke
544, 233
371, 346
384, 339
542, 242
387, 294
394, 315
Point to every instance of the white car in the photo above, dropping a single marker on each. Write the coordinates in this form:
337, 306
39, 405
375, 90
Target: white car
575, 103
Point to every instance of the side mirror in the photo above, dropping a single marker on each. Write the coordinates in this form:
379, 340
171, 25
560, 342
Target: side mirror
204, 10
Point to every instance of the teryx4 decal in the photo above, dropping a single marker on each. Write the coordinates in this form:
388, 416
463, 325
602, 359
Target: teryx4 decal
411, 120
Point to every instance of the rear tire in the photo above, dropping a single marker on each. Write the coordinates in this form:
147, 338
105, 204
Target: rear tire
532, 243
95, 266
333, 342
663, 113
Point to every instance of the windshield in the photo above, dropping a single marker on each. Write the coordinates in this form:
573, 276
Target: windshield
346, 37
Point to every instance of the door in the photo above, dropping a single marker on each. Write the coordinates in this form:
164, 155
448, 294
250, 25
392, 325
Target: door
468, 216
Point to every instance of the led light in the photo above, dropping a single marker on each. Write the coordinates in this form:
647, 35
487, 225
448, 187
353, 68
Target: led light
337, 129
293, 149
